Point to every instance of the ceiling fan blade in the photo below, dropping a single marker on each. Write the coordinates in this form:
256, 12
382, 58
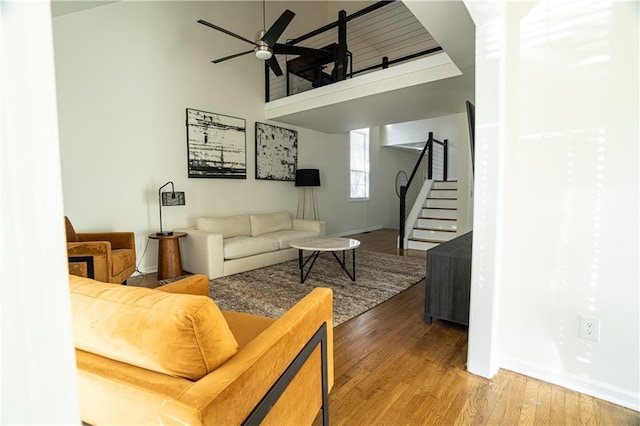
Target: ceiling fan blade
278, 27
215, 27
288, 49
274, 65
215, 61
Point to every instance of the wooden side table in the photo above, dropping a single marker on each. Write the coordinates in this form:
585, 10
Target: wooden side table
169, 262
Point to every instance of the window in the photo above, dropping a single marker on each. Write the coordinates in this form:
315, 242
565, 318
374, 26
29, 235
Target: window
359, 164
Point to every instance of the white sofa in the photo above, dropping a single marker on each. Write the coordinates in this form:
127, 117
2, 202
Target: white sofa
221, 246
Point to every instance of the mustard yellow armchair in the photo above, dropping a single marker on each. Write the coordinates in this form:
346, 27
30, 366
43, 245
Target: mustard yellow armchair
145, 357
109, 257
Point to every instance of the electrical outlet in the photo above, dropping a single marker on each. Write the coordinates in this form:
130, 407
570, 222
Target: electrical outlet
590, 328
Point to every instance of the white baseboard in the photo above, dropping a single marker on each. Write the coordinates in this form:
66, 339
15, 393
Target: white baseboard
577, 383
357, 231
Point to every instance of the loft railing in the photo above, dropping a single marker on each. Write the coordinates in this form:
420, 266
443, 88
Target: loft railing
381, 35
433, 167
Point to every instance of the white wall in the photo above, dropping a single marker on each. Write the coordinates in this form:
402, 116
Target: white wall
556, 209
127, 71
37, 362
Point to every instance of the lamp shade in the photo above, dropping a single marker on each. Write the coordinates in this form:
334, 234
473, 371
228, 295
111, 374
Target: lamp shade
173, 198
307, 177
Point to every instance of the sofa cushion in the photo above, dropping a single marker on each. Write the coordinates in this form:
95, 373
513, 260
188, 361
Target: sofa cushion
176, 334
284, 237
237, 247
231, 226
272, 222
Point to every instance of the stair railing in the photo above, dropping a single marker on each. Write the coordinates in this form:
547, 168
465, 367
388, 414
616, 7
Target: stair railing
436, 164
337, 33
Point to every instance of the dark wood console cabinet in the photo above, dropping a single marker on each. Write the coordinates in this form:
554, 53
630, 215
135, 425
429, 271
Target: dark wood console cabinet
448, 281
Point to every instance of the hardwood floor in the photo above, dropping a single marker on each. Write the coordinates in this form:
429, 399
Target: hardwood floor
391, 368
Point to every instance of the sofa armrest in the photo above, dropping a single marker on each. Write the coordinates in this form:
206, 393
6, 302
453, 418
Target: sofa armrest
319, 226
202, 252
99, 251
194, 284
230, 393
118, 240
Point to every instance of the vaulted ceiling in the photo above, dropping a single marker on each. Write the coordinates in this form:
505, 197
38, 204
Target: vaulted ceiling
413, 95
447, 24
64, 7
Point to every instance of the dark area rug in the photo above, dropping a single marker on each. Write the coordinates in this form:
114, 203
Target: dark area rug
272, 290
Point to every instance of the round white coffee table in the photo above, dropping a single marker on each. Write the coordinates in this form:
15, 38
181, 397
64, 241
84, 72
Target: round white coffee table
318, 245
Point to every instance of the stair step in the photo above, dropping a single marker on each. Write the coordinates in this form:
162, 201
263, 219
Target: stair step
450, 184
437, 218
433, 234
428, 228
443, 203
439, 213
439, 224
443, 193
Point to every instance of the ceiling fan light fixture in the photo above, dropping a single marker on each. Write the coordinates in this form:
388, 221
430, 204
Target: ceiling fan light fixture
266, 42
263, 52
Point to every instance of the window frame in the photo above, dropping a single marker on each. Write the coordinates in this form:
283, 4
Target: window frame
365, 133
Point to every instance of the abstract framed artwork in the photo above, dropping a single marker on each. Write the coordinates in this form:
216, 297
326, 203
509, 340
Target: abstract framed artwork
216, 145
276, 153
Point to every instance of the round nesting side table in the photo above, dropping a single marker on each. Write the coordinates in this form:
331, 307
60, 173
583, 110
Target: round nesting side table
169, 263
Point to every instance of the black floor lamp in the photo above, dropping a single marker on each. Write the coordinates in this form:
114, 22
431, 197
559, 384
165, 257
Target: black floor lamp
172, 198
308, 179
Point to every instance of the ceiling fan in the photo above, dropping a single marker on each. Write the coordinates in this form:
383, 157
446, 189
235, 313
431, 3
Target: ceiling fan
266, 46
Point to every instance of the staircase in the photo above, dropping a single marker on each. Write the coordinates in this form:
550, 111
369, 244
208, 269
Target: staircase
437, 222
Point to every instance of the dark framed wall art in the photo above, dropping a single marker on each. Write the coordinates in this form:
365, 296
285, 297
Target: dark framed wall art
276, 153
216, 145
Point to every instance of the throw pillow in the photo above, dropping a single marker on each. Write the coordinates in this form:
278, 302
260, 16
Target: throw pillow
180, 335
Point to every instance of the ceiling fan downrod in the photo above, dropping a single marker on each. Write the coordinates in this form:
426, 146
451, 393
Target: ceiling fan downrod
262, 49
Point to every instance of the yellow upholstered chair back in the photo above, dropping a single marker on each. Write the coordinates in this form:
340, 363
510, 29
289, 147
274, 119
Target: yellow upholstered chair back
105, 256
